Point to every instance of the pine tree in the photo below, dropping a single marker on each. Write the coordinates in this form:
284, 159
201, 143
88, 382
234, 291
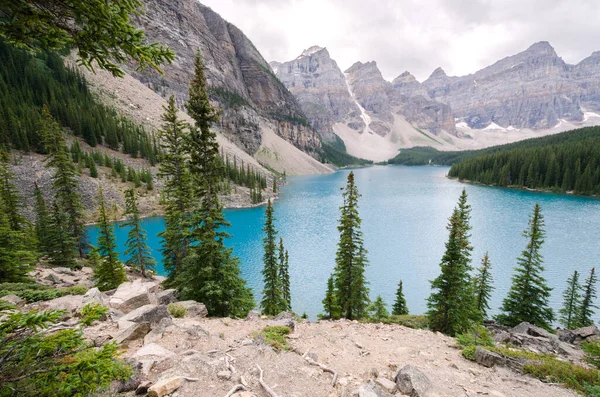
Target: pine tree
177, 190
452, 303
272, 302
13, 252
64, 180
42, 221
62, 247
586, 310
377, 310
140, 256
110, 273
483, 287
10, 201
351, 292
400, 308
528, 296
210, 273
284, 275
330, 305
571, 302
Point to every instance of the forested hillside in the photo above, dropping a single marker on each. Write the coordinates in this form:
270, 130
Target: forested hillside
27, 82
564, 162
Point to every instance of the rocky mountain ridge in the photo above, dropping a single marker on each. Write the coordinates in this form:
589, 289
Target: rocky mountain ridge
528, 94
241, 83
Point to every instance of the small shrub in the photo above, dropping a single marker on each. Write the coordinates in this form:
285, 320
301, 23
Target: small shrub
177, 310
304, 316
592, 353
408, 320
91, 312
570, 375
478, 336
75, 290
275, 336
469, 352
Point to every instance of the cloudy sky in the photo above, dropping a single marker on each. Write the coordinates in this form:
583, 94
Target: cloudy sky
461, 36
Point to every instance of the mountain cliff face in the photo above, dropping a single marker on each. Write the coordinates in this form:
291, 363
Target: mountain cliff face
241, 82
533, 89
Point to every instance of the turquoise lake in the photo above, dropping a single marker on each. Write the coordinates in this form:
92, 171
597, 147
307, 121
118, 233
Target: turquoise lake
405, 212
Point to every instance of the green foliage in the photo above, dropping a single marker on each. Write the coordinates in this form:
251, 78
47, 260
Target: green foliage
75, 290
109, 273
39, 363
592, 352
42, 221
477, 336
10, 201
140, 255
377, 310
567, 374
14, 255
91, 312
32, 292
586, 310
272, 302
65, 92
452, 302
177, 310
209, 273
230, 99
284, 276
415, 321
101, 32
482, 285
563, 162
571, 302
330, 305
351, 291
527, 299
336, 155
275, 336
400, 308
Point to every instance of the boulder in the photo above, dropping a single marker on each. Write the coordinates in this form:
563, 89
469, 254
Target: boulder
143, 387
491, 359
372, 390
253, 315
285, 319
530, 329
94, 295
134, 332
149, 313
64, 270
194, 309
411, 381
386, 384
132, 295
165, 386
586, 332
167, 296
12, 299
53, 278
69, 303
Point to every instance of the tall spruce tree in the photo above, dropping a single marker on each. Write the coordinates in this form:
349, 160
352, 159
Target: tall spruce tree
586, 310
272, 302
64, 179
452, 303
528, 296
351, 291
13, 252
483, 285
571, 302
62, 247
42, 221
284, 276
400, 308
140, 255
330, 305
177, 190
11, 202
210, 273
109, 273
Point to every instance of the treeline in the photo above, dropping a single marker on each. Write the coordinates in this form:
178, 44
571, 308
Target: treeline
27, 82
566, 163
431, 156
335, 153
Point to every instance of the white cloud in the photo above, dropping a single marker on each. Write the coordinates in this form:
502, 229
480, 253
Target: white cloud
461, 36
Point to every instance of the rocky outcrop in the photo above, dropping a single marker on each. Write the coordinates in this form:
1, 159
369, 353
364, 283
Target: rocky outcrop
413, 382
241, 83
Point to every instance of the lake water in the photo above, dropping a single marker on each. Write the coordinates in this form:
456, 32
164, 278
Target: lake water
405, 212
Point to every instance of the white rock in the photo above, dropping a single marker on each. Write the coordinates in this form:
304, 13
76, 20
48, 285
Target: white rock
165, 386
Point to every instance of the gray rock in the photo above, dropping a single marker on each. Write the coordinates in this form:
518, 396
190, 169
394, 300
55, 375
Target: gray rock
63, 270
492, 359
53, 278
164, 387
410, 380
132, 295
285, 319
586, 332
530, 329
94, 295
134, 332
372, 390
386, 384
12, 299
153, 350
253, 315
148, 313
143, 388
194, 309
167, 296
224, 375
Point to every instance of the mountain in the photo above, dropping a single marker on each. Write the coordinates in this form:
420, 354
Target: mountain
252, 100
522, 96
372, 116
